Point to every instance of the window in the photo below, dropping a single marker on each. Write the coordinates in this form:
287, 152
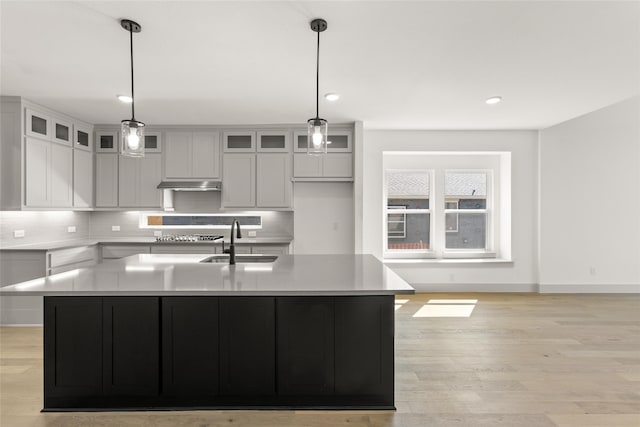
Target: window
465, 209
408, 223
445, 205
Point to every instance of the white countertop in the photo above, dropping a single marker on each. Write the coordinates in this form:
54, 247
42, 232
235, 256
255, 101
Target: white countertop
183, 274
64, 244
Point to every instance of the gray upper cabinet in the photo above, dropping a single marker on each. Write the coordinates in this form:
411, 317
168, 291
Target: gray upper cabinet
48, 174
62, 131
273, 141
106, 184
190, 155
82, 137
152, 142
239, 181
138, 179
239, 142
37, 124
273, 180
107, 142
339, 141
83, 179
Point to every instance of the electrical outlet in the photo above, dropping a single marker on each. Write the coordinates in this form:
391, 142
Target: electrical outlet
157, 233
252, 233
115, 228
71, 229
592, 271
18, 234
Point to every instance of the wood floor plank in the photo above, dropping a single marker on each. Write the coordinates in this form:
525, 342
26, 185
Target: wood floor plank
517, 360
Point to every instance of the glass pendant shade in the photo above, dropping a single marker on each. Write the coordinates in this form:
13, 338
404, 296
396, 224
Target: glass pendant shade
317, 133
132, 137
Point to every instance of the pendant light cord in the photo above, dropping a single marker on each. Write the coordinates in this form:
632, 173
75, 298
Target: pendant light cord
318, 77
133, 110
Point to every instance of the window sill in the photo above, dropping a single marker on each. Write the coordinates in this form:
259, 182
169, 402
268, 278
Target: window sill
449, 261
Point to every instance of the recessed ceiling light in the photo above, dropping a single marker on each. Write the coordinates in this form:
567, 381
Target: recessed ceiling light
493, 100
332, 96
125, 98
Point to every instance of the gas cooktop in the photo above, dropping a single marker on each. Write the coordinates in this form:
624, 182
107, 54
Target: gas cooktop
188, 238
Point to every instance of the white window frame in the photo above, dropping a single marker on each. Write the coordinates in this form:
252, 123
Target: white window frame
497, 213
408, 253
487, 251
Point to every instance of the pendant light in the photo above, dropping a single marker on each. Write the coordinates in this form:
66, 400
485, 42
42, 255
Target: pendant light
317, 127
132, 131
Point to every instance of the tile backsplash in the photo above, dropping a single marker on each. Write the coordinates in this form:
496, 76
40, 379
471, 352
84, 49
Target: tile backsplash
51, 226
42, 226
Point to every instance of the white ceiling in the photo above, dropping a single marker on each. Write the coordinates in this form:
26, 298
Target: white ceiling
397, 65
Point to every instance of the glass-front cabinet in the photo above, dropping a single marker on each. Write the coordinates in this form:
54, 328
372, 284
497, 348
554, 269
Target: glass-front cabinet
38, 125
107, 142
82, 137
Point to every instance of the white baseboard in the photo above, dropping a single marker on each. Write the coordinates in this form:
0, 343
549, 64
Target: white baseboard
475, 287
588, 288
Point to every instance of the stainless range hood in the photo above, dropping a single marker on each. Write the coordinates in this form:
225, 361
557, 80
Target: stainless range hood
168, 187
191, 185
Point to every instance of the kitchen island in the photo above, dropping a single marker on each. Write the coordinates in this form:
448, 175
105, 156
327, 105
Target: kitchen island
171, 332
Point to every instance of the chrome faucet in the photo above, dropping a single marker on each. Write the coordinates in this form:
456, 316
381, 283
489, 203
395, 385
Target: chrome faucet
232, 246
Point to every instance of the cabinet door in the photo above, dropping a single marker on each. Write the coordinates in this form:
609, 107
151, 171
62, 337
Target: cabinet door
37, 125
338, 165
306, 166
82, 137
62, 131
148, 178
273, 141
239, 181
305, 345
364, 346
106, 180
190, 346
82, 179
72, 347
127, 181
205, 157
131, 346
247, 346
107, 142
153, 142
61, 176
239, 141
274, 186
177, 155
36, 173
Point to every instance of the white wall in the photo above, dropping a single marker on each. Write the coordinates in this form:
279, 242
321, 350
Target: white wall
323, 218
590, 202
518, 275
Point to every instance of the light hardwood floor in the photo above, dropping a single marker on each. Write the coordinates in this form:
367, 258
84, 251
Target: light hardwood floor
517, 360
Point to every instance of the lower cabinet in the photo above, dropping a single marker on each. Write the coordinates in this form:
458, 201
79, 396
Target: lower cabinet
190, 346
131, 341
218, 352
247, 346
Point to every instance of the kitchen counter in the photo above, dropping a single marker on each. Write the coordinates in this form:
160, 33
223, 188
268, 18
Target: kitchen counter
165, 331
64, 244
183, 274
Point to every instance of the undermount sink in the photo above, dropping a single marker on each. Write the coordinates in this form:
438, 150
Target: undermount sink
224, 259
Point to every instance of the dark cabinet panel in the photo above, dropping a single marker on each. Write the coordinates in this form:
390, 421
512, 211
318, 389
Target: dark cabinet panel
247, 346
190, 346
131, 346
305, 345
364, 346
73, 346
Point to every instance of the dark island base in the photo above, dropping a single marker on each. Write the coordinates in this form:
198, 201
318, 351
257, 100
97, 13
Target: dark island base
188, 353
